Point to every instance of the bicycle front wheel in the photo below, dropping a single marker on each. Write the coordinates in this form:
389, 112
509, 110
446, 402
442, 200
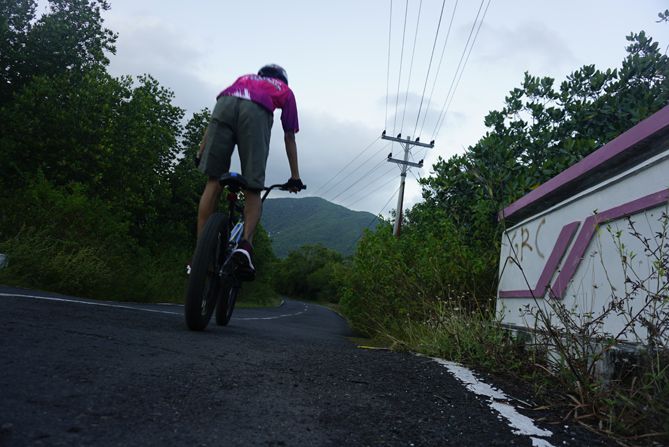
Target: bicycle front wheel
204, 283
226, 301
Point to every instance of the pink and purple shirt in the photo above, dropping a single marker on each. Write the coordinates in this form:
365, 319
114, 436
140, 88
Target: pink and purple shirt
270, 93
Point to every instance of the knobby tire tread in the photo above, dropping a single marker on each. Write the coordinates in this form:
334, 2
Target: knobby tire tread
204, 257
226, 302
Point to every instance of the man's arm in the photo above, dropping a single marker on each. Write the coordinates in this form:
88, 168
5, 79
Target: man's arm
204, 138
291, 152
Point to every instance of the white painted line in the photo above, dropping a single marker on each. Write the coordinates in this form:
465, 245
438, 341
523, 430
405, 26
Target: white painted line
143, 309
306, 308
498, 401
90, 303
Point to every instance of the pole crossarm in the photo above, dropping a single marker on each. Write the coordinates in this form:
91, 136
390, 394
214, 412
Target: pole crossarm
407, 144
406, 163
399, 139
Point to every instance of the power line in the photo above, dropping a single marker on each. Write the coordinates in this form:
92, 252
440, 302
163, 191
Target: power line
464, 65
380, 212
364, 197
457, 70
399, 78
413, 53
390, 27
375, 154
368, 185
374, 168
436, 76
347, 165
427, 76
387, 203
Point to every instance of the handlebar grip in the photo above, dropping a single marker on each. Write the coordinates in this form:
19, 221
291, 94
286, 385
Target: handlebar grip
285, 187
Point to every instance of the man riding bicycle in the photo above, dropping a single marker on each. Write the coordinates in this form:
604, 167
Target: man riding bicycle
243, 116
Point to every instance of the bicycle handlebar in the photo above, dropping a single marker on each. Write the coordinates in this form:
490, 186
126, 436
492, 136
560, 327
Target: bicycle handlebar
281, 186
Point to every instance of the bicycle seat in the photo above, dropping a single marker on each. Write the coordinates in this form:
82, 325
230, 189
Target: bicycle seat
234, 181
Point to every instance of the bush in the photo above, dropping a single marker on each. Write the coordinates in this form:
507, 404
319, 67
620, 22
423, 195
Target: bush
62, 240
393, 279
312, 272
37, 259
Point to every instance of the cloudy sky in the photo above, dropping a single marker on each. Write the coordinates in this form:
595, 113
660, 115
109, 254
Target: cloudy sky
336, 55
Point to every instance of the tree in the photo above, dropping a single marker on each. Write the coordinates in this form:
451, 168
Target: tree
69, 38
309, 272
542, 130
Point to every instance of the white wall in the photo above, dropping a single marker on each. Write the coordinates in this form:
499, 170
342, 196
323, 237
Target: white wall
599, 273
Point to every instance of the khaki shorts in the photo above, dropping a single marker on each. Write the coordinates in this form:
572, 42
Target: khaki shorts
237, 121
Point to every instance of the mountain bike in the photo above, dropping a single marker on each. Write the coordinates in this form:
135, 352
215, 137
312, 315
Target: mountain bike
214, 281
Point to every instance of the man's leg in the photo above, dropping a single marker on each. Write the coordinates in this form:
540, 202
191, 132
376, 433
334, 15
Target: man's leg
252, 212
208, 201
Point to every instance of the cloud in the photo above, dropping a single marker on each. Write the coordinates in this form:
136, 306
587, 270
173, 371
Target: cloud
527, 46
149, 45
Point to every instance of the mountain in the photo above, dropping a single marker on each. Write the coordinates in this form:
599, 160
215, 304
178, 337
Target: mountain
292, 223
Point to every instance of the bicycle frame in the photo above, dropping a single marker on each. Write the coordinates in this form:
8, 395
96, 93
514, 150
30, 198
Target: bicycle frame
214, 282
237, 231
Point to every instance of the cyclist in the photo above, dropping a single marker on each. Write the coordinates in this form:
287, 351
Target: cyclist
243, 116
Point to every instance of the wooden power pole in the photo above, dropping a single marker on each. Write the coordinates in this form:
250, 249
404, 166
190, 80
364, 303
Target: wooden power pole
407, 144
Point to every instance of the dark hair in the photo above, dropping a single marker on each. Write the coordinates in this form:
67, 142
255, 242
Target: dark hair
274, 71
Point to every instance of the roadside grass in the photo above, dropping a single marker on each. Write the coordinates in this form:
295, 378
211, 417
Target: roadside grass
632, 409
38, 260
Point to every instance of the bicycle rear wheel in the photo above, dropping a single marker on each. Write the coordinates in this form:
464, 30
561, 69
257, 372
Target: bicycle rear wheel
226, 301
204, 283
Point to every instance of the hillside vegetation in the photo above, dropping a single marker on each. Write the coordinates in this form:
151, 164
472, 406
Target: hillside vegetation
98, 190
294, 222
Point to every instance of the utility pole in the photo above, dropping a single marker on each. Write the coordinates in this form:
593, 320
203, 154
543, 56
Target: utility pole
407, 144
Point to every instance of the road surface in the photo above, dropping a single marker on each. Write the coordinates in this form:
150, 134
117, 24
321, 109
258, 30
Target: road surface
84, 372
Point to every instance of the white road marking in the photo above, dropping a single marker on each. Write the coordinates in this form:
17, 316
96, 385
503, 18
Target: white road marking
498, 401
306, 308
90, 303
143, 309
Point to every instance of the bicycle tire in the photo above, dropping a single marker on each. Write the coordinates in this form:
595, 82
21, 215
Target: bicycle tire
226, 302
204, 283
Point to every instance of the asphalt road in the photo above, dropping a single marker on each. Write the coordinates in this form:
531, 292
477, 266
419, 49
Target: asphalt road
84, 372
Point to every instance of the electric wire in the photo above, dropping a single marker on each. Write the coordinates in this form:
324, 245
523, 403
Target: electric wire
361, 178
399, 78
376, 216
413, 53
365, 187
375, 154
436, 76
348, 164
386, 205
429, 66
457, 83
364, 197
457, 70
390, 28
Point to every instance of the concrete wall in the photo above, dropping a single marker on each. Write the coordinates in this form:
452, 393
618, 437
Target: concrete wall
575, 250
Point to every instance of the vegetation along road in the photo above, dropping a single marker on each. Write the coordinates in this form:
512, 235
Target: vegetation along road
84, 372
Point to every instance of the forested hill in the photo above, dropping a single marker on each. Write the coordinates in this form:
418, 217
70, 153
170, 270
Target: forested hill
292, 223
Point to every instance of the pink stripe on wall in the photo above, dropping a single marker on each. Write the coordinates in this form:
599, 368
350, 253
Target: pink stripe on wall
623, 143
590, 226
563, 241
581, 244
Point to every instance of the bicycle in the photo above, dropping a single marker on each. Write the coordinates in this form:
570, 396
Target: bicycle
214, 281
